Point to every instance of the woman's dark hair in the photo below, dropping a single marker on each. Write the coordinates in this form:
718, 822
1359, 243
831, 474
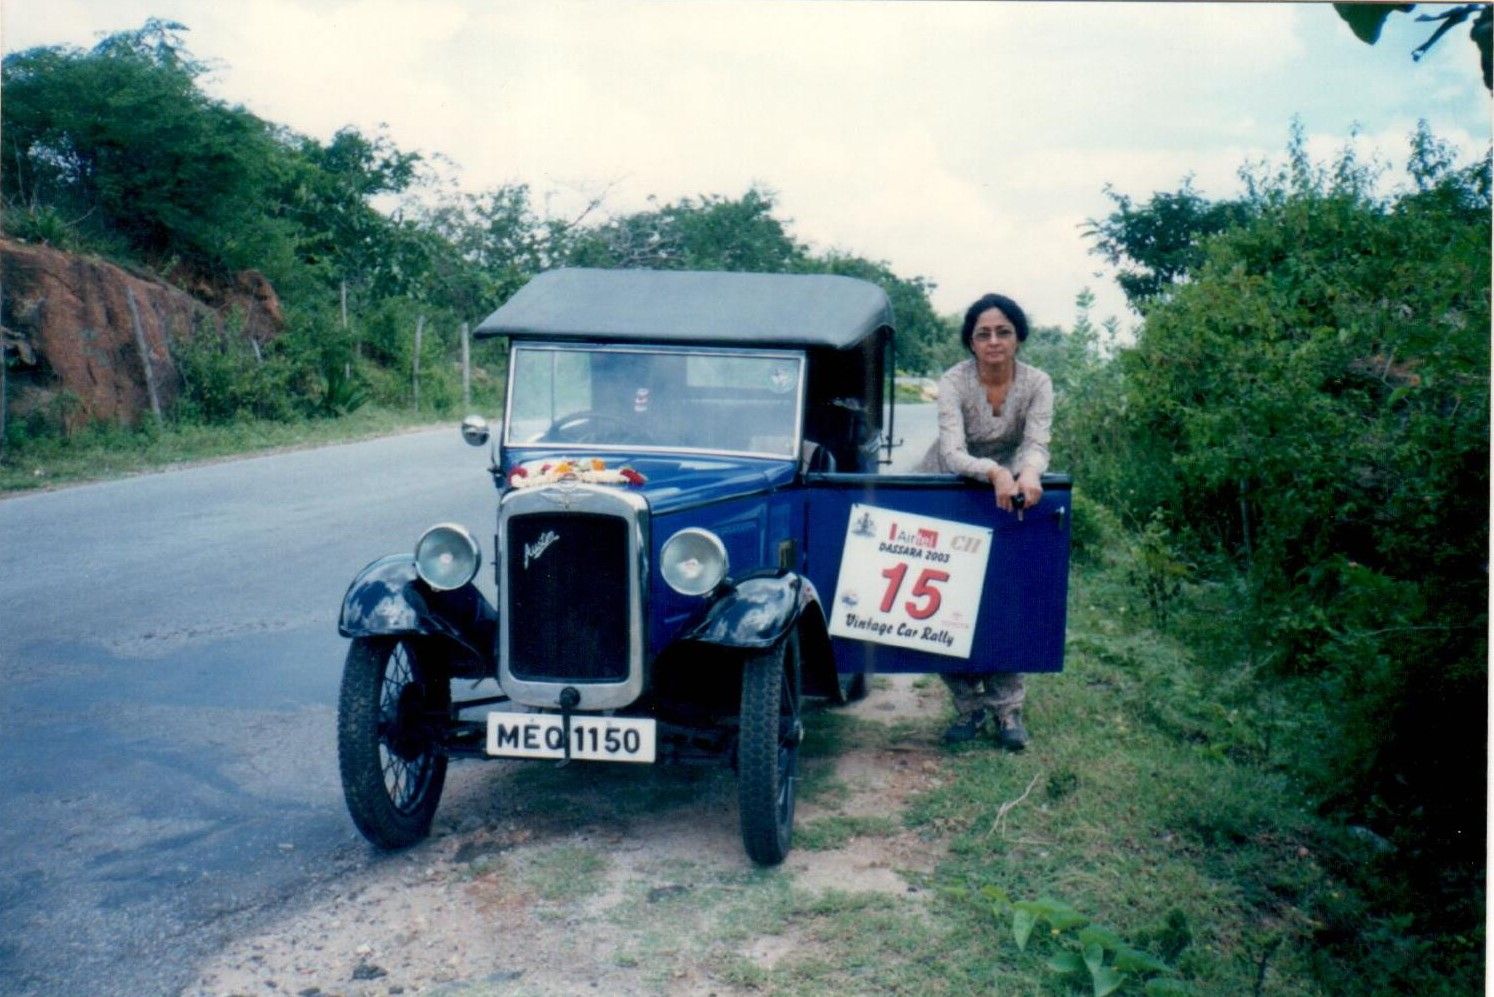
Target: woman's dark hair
986, 302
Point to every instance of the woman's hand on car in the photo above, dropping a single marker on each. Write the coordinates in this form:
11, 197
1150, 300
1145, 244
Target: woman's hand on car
1005, 486
1028, 485
1031, 487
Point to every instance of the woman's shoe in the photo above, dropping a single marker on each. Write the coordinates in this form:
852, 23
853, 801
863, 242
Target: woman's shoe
1010, 733
967, 728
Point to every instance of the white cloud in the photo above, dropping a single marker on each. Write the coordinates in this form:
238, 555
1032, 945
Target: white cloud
63, 22
318, 67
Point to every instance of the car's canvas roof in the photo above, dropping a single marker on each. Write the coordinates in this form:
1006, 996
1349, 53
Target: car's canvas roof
694, 306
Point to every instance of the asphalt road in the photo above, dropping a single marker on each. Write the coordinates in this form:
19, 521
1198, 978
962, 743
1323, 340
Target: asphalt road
169, 665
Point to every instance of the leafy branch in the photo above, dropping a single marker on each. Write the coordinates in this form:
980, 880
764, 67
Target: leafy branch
1082, 949
1367, 20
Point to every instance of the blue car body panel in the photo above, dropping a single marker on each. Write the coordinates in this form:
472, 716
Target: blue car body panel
750, 503
765, 511
1023, 610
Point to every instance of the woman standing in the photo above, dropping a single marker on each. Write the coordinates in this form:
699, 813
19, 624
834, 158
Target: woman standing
995, 419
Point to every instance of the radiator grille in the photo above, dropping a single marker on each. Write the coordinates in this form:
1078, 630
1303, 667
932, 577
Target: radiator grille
567, 597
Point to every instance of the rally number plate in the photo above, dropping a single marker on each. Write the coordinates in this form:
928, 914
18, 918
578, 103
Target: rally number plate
592, 738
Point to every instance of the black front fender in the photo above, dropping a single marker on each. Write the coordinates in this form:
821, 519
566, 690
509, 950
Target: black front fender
756, 611
388, 599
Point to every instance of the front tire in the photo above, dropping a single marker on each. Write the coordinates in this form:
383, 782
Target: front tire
391, 715
768, 750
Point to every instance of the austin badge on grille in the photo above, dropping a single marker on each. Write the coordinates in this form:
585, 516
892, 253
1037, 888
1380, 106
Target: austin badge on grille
534, 551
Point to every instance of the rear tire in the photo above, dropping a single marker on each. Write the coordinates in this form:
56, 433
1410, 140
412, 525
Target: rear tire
853, 688
391, 715
768, 750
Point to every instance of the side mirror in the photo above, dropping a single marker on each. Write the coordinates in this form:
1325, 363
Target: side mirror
475, 430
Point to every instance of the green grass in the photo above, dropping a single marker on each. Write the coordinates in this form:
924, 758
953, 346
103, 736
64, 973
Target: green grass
1155, 802
837, 830
102, 452
565, 873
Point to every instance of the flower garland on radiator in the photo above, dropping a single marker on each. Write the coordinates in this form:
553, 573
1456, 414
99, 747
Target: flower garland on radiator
591, 471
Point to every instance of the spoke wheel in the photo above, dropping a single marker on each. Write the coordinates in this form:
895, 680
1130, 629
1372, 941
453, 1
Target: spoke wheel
768, 750
391, 715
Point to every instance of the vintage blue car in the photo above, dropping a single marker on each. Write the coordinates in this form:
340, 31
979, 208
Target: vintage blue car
692, 537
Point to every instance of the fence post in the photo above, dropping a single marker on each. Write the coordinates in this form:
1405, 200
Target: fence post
4, 369
415, 361
150, 374
347, 367
466, 369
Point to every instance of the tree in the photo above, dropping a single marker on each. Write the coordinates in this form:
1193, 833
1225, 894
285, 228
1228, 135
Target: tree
1068, 356
498, 241
926, 342
121, 140
706, 233
326, 189
1156, 245
117, 150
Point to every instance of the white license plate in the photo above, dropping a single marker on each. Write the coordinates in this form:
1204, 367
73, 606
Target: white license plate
542, 735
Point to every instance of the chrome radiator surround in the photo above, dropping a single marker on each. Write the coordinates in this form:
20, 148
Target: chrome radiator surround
582, 499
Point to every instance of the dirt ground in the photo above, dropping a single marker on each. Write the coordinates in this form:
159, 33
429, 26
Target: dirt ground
540, 879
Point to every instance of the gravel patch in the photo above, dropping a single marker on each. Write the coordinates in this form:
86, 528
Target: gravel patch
562, 880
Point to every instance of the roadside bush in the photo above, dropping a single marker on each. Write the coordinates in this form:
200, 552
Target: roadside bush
1311, 402
223, 379
387, 339
1095, 530
325, 376
43, 225
46, 418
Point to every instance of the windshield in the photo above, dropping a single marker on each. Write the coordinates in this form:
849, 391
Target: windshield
598, 397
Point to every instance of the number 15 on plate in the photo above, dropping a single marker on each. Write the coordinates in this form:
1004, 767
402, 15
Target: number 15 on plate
910, 581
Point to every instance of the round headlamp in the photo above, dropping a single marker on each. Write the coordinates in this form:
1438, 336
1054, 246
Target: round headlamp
693, 561
447, 557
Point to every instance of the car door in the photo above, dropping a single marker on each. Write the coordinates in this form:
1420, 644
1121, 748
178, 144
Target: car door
923, 573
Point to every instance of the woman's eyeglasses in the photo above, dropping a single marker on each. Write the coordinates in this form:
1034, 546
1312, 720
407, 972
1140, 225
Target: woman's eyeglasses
991, 335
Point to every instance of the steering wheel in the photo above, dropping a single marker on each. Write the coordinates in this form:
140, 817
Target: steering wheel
591, 426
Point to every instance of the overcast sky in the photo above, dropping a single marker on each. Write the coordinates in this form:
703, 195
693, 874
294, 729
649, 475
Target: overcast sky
963, 142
